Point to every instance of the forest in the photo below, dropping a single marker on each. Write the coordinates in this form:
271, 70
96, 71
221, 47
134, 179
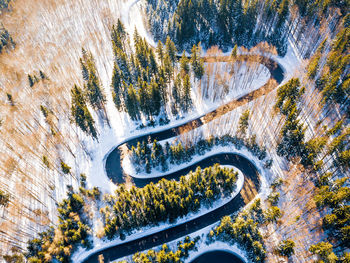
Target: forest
166, 201
80, 79
165, 254
130, 209
145, 157
229, 22
145, 80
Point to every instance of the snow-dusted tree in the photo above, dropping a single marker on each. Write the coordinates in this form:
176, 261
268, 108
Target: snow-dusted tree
132, 103
197, 62
81, 113
186, 99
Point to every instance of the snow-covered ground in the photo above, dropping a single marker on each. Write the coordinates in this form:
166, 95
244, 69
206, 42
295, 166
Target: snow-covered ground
129, 168
99, 244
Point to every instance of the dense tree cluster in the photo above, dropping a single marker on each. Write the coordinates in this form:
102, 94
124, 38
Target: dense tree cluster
5, 38
292, 144
335, 194
144, 82
165, 201
146, 157
334, 78
325, 251
219, 22
293, 131
244, 230
316, 9
229, 22
92, 94
92, 87
72, 231
4, 3
165, 254
286, 247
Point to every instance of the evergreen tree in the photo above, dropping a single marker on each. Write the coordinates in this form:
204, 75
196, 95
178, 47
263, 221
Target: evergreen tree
243, 123
176, 94
286, 247
170, 49
234, 52
81, 113
197, 62
117, 87
123, 63
156, 99
186, 100
4, 199
168, 68
31, 80
325, 251
144, 99
184, 64
153, 63
93, 87
42, 75
119, 35
132, 103
160, 51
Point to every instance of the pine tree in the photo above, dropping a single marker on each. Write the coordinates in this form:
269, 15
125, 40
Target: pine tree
170, 49
81, 113
234, 52
186, 100
132, 103
42, 75
153, 63
243, 123
160, 51
4, 199
144, 99
184, 64
31, 80
168, 68
84, 70
93, 87
117, 88
176, 94
123, 63
156, 99
119, 35
196, 61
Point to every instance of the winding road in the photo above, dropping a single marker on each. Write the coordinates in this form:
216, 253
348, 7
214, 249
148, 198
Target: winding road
251, 184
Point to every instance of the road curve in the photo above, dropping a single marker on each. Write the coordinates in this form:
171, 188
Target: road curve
250, 188
113, 161
251, 183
